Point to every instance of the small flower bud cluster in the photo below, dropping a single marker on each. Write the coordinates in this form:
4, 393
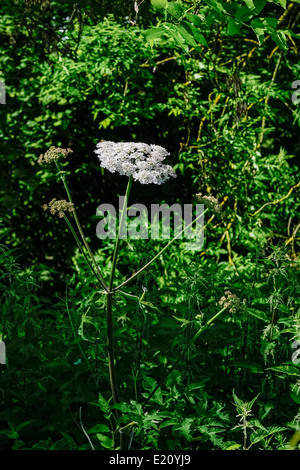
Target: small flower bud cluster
142, 161
54, 153
232, 302
210, 202
59, 206
43, 3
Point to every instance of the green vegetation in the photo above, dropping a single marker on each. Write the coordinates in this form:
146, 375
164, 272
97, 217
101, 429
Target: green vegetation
200, 349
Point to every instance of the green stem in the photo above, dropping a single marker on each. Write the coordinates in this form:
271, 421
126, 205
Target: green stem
110, 346
123, 215
158, 254
109, 314
80, 228
80, 247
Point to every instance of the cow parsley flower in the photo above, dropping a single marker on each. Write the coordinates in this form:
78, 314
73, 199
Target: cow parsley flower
54, 153
141, 161
59, 206
232, 303
210, 202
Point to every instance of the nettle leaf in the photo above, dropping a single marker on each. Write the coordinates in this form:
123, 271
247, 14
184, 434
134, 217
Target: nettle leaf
185, 428
286, 369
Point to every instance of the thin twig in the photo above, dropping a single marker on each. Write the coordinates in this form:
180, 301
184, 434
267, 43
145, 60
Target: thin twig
87, 436
273, 203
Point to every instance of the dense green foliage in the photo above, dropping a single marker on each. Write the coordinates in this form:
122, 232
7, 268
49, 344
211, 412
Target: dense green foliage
211, 81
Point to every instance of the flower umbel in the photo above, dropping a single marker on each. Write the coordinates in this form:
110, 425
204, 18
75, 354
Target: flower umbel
211, 202
54, 153
232, 302
142, 161
59, 206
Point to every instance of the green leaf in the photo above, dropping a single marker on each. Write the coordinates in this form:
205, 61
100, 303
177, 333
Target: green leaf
272, 22
99, 428
245, 14
176, 9
218, 6
250, 4
159, 4
175, 32
106, 441
154, 33
283, 3
259, 29
286, 369
197, 35
233, 447
258, 314
195, 19
233, 27
185, 30
295, 393
280, 38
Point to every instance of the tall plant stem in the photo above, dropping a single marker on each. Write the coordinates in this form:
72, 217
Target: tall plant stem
121, 223
110, 346
109, 314
101, 279
109, 302
80, 246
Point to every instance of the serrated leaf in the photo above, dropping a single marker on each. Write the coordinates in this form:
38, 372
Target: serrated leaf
258, 314
286, 369
233, 447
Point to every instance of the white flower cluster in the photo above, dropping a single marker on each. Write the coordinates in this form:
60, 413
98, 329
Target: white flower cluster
210, 202
232, 302
142, 161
